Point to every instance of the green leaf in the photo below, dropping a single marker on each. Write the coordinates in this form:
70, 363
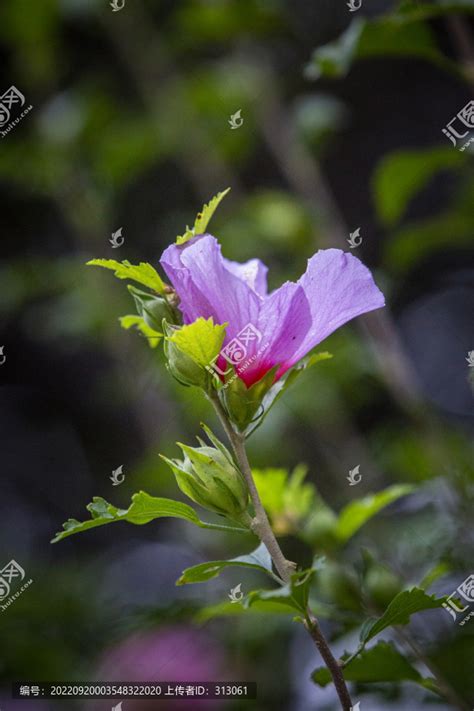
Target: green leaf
335, 59
412, 10
200, 340
229, 609
277, 390
401, 175
262, 605
381, 663
399, 611
358, 512
300, 586
142, 273
384, 36
450, 229
280, 597
130, 321
143, 509
388, 36
203, 218
293, 595
287, 498
259, 559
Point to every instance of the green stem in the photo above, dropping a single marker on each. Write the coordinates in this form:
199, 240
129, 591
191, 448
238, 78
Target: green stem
260, 524
359, 649
262, 528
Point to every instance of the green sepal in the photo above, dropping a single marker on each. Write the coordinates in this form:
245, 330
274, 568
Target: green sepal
242, 403
183, 368
191, 349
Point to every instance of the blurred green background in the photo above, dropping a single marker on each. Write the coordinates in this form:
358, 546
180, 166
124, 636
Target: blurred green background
343, 115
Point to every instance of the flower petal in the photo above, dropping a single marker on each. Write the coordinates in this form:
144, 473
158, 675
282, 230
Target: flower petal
338, 288
206, 287
254, 273
284, 320
275, 329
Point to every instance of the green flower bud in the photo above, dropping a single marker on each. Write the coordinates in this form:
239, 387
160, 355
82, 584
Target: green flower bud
243, 404
210, 478
153, 309
180, 365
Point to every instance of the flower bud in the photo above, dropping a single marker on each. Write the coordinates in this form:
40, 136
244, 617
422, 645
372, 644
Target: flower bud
210, 478
153, 309
180, 365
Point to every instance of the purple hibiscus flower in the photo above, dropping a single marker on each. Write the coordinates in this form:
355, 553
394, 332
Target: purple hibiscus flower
268, 329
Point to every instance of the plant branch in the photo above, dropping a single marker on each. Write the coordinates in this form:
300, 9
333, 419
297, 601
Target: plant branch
312, 625
260, 524
262, 528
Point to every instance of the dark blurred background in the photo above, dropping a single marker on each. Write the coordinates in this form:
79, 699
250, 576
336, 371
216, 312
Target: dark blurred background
129, 128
